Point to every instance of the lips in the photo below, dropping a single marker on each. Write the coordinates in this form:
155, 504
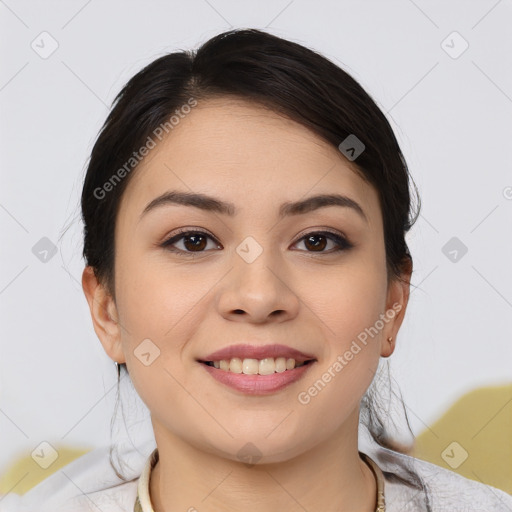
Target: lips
258, 384
246, 351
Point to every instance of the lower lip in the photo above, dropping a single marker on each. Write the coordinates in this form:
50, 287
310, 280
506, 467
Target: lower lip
258, 384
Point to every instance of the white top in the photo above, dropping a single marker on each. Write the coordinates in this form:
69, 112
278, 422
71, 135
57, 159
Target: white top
89, 484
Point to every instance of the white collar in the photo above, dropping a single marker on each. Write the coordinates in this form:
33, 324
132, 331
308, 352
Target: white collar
143, 501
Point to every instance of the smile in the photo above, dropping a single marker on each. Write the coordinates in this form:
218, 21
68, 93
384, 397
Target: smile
250, 366
256, 383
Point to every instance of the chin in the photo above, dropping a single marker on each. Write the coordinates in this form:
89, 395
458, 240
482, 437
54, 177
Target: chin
259, 449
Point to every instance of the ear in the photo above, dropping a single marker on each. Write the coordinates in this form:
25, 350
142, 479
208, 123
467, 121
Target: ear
104, 315
396, 304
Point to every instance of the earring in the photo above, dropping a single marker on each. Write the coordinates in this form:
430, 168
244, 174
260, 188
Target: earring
390, 339
118, 369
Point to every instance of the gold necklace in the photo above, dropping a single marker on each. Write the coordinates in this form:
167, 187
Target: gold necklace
379, 478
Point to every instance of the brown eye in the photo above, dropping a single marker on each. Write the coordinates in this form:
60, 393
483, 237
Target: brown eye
317, 242
193, 242
196, 242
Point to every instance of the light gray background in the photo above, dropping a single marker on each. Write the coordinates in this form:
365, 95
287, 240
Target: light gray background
453, 119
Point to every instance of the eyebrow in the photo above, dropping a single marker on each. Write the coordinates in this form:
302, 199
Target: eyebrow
212, 204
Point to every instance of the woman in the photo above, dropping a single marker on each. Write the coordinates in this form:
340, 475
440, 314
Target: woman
245, 212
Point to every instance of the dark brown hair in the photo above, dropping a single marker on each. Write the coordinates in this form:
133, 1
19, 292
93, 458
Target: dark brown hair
279, 74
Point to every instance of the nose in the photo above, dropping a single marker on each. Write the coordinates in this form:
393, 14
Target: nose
257, 291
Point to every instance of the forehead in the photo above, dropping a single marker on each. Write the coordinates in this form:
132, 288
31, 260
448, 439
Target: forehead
246, 154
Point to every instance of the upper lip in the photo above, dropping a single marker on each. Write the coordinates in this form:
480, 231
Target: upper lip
245, 351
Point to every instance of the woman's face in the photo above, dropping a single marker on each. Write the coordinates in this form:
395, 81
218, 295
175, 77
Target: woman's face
252, 276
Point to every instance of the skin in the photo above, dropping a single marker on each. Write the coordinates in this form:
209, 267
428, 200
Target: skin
291, 294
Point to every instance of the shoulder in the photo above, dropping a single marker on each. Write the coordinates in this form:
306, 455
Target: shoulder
49, 497
120, 498
89, 483
410, 483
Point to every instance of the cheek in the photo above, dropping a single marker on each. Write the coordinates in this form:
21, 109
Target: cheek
349, 305
158, 310
155, 299
348, 299
350, 312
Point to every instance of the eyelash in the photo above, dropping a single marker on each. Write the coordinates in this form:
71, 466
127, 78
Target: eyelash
341, 241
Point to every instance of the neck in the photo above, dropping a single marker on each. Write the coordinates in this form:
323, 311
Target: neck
330, 476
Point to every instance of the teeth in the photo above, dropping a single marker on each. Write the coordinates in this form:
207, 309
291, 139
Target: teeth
256, 366
280, 364
249, 366
267, 366
235, 365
